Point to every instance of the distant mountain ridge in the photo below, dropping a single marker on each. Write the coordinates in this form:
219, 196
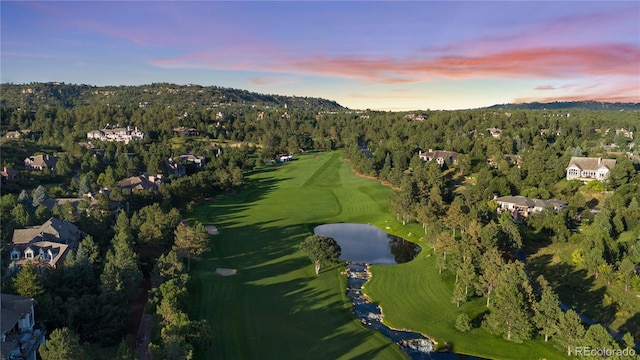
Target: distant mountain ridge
558, 105
179, 96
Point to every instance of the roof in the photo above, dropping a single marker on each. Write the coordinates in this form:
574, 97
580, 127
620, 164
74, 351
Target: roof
137, 183
43, 160
436, 154
523, 201
590, 163
54, 230
13, 307
58, 250
50, 203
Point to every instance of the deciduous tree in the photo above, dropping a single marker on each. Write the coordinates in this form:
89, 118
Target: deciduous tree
322, 250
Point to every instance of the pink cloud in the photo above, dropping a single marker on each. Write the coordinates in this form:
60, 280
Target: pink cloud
543, 63
628, 91
263, 81
545, 87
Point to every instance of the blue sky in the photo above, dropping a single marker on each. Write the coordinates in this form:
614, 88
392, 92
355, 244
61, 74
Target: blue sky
378, 55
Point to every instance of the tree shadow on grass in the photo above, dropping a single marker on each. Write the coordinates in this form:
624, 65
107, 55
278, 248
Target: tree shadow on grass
632, 326
575, 288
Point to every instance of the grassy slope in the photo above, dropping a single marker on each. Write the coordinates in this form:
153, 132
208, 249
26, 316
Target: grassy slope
277, 307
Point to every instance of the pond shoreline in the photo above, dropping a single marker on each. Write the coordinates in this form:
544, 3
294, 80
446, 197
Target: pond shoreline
416, 345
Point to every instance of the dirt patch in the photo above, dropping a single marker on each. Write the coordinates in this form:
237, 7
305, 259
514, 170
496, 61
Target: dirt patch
385, 183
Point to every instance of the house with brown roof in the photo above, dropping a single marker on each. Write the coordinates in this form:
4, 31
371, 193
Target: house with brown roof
53, 230
39, 162
521, 207
142, 182
42, 254
442, 157
589, 168
20, 336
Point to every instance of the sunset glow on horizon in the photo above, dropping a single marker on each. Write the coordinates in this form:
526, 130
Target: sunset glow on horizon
376, 55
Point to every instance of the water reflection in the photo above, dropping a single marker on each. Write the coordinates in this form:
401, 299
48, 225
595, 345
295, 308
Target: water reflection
362, 243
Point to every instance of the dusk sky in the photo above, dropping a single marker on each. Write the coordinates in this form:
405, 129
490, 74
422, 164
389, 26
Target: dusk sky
386, 55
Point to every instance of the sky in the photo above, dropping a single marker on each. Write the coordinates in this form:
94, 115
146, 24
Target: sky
380, 55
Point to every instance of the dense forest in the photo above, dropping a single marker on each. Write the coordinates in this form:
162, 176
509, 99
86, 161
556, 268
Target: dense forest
136, 235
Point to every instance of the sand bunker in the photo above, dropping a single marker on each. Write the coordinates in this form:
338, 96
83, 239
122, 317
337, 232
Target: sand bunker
226, 272
212, 230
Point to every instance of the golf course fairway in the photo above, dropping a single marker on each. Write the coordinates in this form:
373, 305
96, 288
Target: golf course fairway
275, 307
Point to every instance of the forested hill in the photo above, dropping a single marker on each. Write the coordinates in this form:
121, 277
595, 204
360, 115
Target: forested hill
179, 96
557, 105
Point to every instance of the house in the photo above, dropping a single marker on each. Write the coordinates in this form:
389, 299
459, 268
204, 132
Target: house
284, 158
440, 156
42, 254
174, 168
587, 168
186, 131
9, 174
75, 202
20, 336
18, 134
117, 134
39, 162
142, 182
520, 206
199, 161
13, 135
624, 132
53, 230
495, 132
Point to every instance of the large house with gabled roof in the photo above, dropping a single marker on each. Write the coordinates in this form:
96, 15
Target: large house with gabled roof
589, 168
45, 246
521, 207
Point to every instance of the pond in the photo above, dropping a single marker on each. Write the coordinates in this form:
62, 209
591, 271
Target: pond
363, 243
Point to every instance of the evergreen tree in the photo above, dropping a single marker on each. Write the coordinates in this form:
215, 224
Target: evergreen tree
191, 242
547, 313
121, 273
39, 196
597, 337
24, 198
570, 331
27, 283
63, 344
509, 314
491, 265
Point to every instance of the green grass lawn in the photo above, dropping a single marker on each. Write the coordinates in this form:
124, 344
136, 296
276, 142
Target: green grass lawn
275, 307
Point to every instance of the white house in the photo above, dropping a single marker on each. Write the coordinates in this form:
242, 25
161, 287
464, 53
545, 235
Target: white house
587, 168
440, 156
118, 134
284, 158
